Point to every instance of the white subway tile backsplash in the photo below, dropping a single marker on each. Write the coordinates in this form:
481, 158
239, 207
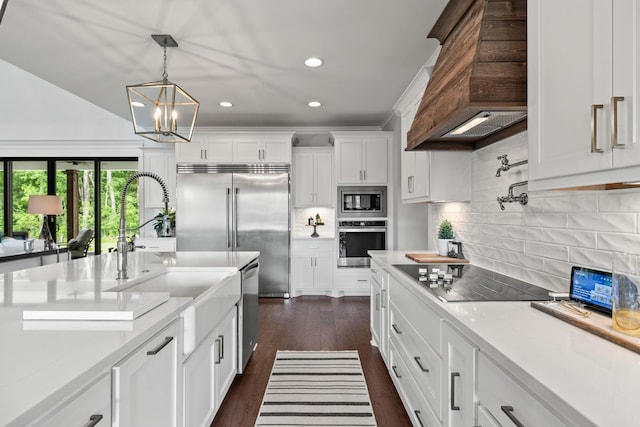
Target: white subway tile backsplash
539, 242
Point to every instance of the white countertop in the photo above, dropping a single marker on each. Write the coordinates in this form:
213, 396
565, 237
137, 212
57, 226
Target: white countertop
41, 361
567, 366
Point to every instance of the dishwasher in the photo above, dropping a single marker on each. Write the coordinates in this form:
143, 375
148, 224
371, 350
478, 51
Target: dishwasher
248, 314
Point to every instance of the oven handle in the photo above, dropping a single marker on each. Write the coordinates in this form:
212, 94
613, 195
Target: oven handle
361, 230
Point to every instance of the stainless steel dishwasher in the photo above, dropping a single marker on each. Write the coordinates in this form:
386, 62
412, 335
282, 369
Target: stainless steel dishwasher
248, 314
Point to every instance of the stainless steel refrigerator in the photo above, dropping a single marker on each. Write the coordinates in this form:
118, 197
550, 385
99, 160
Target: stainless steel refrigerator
238, 208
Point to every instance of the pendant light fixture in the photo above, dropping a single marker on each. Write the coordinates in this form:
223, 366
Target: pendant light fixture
161, 111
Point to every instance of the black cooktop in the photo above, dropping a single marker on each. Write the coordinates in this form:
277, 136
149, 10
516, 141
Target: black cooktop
464, 282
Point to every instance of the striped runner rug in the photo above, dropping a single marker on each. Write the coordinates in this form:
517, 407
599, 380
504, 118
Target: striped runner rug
316, 388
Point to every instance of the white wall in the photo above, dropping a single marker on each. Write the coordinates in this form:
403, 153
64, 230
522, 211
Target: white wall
539, 242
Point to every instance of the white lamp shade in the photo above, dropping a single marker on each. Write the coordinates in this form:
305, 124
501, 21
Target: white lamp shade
44, 204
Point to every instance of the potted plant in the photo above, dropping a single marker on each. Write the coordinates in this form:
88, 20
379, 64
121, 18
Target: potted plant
445, 235
159, 223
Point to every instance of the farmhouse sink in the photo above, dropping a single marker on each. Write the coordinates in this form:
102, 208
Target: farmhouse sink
189, 284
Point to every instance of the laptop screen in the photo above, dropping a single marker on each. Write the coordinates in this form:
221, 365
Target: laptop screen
591, 287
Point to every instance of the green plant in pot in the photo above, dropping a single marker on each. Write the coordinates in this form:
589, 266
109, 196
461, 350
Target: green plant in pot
163, 227
445, 235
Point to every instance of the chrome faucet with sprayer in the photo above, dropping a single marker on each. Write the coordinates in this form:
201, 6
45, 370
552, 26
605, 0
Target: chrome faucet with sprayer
123, 245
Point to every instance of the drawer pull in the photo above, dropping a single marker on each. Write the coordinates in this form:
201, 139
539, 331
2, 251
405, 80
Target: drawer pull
396, 329
217, 358
453, 406
418, 417
508, 411
377, 302
221, 348
594, 128
614, 121
162, 345
417, 359
395, 371
383, 298
93, 420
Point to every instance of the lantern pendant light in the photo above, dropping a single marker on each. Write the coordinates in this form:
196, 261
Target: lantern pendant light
162, 111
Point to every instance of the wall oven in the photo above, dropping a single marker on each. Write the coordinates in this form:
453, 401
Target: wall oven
355, 238
362, 202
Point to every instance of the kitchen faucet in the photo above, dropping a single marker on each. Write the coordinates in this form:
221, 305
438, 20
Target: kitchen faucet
123, 245
505, 166
523, 198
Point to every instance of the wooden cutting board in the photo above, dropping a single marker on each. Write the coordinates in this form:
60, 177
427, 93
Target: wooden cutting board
435, 259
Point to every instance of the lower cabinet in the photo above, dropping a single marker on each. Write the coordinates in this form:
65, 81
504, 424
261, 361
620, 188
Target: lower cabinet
209, 372
312, 266
504, 402
459, 378
353, 281
146, 383
91, 408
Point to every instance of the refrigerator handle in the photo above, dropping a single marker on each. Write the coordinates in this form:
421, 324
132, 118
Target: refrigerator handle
235, 217
228, 228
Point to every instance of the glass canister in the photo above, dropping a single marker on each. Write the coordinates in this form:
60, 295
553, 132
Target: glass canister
626, 283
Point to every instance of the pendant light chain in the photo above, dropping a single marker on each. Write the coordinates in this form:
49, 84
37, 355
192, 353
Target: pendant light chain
165, 76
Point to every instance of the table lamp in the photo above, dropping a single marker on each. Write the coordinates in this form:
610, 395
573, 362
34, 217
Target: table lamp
45, 205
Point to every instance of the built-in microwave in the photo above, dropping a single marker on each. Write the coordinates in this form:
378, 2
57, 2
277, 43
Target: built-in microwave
362, 202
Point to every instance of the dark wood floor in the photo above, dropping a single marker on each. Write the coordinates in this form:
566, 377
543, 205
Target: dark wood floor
311, 323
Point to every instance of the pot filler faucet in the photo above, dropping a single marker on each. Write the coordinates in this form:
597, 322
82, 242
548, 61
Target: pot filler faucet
123, 246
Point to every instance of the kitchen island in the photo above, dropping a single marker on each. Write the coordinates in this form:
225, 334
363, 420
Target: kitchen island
498, 360
45, 362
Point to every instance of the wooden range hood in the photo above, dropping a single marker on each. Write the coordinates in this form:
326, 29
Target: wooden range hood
480, 77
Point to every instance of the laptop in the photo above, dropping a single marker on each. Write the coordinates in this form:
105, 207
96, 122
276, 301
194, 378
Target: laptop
593, 288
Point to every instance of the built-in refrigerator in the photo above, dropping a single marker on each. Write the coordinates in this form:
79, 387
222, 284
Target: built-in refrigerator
238, 208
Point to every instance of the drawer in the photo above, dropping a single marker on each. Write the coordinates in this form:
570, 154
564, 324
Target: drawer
416, 405
313, 245
376, 272
160, 244
423, 362
417, 312
507, 401
353, 278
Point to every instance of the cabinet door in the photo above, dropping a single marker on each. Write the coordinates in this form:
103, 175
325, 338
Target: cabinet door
459, 381
190, 152
349, 160
227, 354
303, 271
163, 164
324, 263
563, 88
247, 150
217, 150
376, 311
276, 151
91, 406
303, 179
145, 383
199, 382
323, 177
375, 159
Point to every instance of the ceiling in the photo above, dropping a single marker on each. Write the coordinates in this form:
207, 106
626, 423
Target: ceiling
248, 52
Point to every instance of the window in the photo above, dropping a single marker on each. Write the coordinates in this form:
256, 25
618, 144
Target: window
27, 178
113, 177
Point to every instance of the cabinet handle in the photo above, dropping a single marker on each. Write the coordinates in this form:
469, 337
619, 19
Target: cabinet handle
377, 302
395, 328
365, 174
201, 154
217, 359
374, 271
508, 411
363, 280
360, 175
422, 368
383, 298
410, 184
594, 128
453, 391
94, 420
205, 154
418, 417
311, 262
614, 121
395, 371
159, 348
264, 154
221, 348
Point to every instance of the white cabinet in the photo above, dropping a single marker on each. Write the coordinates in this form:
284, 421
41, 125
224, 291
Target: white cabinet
146, 383
163, 164
427, 176
352, 281
312, 265
362, 158
155, 244
205, 148
92, 407
459, 382
209, 372
505, 402
380, 309
583, 106
313, 177
272, 149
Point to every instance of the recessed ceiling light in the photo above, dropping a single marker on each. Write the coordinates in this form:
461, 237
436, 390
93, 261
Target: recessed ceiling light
313, 62
137, 104
314, 104
225, 104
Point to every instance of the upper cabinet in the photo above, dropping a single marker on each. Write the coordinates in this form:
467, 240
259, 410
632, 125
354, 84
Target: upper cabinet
162, 162
362, 157
255, 147
583, 93
313, 177
429, 175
